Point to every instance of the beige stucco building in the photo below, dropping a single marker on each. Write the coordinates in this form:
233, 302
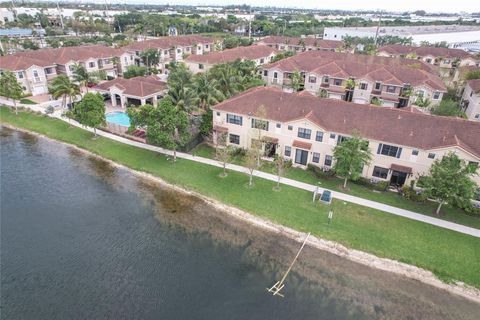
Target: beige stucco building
471, 100
306, 129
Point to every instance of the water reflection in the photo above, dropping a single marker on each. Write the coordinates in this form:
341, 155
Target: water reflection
110, 244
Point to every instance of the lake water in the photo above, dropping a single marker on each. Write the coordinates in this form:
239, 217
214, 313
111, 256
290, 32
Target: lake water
83, 240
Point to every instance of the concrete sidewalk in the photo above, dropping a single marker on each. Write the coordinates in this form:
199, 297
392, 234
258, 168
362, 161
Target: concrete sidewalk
294, 183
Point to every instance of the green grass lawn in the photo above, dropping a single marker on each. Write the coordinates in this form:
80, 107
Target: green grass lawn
449, 254
449, 213
27, 101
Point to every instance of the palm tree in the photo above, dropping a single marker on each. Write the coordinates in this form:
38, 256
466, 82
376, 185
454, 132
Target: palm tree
296, 81
206, 90
229, 81
63, 87
83, 77
182, 96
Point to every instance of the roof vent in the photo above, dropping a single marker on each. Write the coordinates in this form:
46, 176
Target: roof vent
411, 133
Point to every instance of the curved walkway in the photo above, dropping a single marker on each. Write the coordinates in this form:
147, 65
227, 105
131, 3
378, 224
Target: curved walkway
294, 183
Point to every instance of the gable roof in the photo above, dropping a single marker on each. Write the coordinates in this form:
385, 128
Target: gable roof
390, 125
230, 55
398, 49
169, 42
475, 85
307, 41
49, 57
396, 71
137, 86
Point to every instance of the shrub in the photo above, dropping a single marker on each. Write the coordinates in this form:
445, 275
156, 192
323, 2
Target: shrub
239, 152
379, 185
411, 194
319, 172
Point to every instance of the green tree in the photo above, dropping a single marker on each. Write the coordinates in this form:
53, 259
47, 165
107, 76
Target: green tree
206, 125
206, 91
449, 180
150, 57
223, 153
251, 163
279, 169
134, 71
351, 155
90, 111
83, 77
448, 108
62, 86
296, 81
471, 75
10, 88
166, 124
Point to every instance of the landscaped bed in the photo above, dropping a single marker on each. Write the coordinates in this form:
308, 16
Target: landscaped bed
449, 254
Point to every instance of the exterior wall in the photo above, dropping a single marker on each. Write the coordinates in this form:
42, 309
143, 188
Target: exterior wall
36, 85
196, 67
472, 110
340, 33
420, 163
468, 62
428, 93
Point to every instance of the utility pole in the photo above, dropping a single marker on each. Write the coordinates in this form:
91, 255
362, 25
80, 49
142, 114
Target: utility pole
250, 25
61, 17
14, 10
378, 28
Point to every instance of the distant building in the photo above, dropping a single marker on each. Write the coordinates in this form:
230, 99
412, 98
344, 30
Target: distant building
172, 31
6, 15
452, 34
299, 44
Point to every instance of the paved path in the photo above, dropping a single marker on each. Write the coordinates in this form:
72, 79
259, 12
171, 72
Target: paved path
297, 184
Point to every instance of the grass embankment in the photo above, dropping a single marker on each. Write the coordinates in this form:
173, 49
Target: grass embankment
27, 101
449, 213
450, 255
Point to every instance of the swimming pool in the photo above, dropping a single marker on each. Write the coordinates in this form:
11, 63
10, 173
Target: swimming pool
120, 118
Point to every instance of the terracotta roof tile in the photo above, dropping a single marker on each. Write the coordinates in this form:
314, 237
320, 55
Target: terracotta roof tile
230, 55
398, 49
474, 84
138, 86
362, 67
302, 145
396, 126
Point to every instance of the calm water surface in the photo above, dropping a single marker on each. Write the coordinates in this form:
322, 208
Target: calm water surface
83, 240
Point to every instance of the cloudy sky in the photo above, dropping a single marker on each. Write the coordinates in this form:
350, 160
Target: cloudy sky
395, 5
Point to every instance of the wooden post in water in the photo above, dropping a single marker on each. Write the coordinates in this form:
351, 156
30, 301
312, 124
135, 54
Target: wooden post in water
278, 286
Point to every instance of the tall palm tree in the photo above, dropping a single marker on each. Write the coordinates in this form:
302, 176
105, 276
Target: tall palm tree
83, 77
63, 87
229, 81
182, 96
206, 90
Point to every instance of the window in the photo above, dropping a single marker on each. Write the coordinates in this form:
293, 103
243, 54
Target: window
275, 75
188, 49
20, 75
420, 93
378, 85
218, 113
319, 136
262, 60
48, 70
390, 89
301, 157
200, 66
91, 64
477, 116
35, 75
260, 124
179, 50
332, 135
206, 46
199, 48
328, 160
304, 133
233, 138
290, 128
337, 82
312, 79
234, 119
125, 59
436, 95
279, 125
106, 61
388, 150
316, 157
326, 79
431, 156
265, 73
380, 172
363, 86
428, 60
288, 151
165, 52
414, 152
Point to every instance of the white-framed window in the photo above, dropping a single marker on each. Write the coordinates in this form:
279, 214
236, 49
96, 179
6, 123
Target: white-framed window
316, 157
328, 160
414, 152
262, 60
363, 86
319, 136
91, 64
234, 138
378, 86
288, 151
200, 66
312, 79
431, 155
436, 95
20, 75
265, 73
380, 172
337, 82
304, 133
231, 118
35, 75
390, 89
326, 79
388, 150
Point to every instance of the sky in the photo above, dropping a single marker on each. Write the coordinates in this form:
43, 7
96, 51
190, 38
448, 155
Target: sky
389, 5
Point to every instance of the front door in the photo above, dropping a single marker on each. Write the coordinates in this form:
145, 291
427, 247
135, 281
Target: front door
398, 178
301, 157
270, 149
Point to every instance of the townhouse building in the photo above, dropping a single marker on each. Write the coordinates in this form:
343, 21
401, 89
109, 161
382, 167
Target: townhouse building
359, 78
306, 129
172, 48
259, 54
438, 56
300, 44
34, 69
471, 100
